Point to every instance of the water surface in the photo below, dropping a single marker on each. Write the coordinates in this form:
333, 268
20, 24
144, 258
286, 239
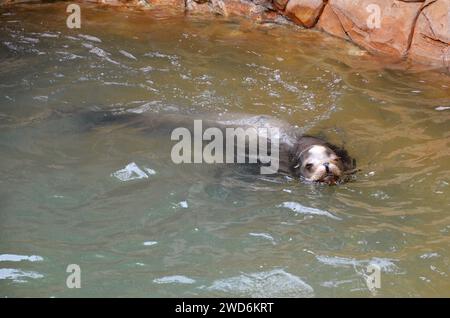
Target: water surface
159, 229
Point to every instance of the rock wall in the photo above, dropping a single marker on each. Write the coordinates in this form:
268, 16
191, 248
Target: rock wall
418, 30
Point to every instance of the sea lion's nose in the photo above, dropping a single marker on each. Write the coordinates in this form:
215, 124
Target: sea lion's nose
327, 168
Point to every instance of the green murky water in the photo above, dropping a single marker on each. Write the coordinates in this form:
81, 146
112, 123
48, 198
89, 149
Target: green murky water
200, 230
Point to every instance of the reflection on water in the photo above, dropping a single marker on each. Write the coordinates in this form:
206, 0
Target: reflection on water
110, 200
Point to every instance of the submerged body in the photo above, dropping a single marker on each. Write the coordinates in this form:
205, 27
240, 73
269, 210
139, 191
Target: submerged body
305, 157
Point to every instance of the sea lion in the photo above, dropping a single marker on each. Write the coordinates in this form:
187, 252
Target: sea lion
315, 160
304, 157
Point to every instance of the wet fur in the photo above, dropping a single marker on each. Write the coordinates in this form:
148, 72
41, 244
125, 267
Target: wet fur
304, 142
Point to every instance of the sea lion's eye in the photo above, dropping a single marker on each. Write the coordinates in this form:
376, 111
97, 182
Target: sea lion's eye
308, 166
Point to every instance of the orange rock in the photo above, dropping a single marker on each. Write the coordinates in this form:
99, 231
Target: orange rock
198, 7
280, 4
431, 40
229, 7
117, 3
329, 22
176, 4
381, 26
305, 12
244, 8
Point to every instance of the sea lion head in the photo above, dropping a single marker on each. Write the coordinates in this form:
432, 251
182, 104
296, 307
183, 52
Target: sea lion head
320, 163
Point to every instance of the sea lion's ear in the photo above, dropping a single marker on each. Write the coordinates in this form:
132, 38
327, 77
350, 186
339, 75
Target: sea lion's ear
348, 162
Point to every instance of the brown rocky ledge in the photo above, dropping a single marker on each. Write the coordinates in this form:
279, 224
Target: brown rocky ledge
417, 30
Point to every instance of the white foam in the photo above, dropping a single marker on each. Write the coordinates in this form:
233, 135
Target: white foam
99, 52
183, 204
18, 275
89, 38
264, 236
129, 55
69, 56
301, 209
150, 243
385, 264
132, 172
29, 40
19, 258
41, 98
429, 255
275, 283
175, 279
149, 171
48, 35
146, 69
143, 108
